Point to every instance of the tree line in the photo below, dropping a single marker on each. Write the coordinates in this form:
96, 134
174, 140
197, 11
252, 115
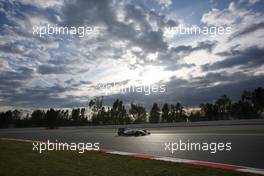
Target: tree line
250, 105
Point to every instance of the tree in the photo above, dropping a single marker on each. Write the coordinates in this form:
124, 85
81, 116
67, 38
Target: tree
6, 119
209, 110
172, 114
82, 114
124, 115
96, 104
16, 114
258, 99
138, 113
223, 105
118, 112
37, 117
246, 96
116, 115
51, 118
154, 114
179, 110
99, 117
243, 110
76, 115
66, 115
250, 105
165, 113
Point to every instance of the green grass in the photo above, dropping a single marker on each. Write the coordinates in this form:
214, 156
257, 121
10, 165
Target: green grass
17, 158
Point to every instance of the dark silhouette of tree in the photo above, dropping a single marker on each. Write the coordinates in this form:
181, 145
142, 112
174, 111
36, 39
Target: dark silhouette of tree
246, 97
76, 115
165, 113
244, 109
83, 114
138, 113
258, 99
116, 115
154, 114
96, 104
103, 116
172, 114
115, 110
209, 110
179, 112
6, 119
118, 112
250, 105
51, 118
16, 114
66, 114
37, 117
223, 105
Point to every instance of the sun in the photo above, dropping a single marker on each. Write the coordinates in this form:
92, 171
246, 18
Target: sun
151, 75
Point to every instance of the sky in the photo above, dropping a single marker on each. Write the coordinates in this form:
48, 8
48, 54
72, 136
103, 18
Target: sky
133, 47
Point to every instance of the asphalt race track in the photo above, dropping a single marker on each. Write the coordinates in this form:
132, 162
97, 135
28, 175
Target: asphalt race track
247, 141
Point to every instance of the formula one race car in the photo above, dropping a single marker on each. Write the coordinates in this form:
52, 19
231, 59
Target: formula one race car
131, 132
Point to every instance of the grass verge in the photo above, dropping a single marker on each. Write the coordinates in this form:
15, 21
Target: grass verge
17, 158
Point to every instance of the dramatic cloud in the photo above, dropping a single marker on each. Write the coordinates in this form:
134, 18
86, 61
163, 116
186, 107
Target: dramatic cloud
251, 57
249, 30
131, 47
48, 69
